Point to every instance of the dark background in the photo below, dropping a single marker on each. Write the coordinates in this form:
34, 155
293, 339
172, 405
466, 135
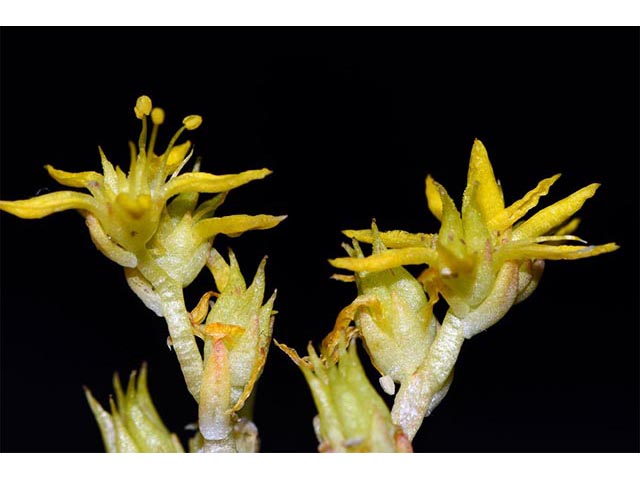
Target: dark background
350, 121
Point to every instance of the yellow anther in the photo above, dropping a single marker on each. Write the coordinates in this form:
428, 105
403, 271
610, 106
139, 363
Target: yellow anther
143, 107
192, 122
157, 116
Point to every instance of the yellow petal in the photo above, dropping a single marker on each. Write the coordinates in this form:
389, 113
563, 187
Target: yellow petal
554, 215
176, 157
136, 206
569, 228
388, 259
451, 234
234, 225
261, 354
218, 268
433, 198
510, 215
393, 238
208, 183
38, 207
490, 198
110, 177
554, 252
76, 180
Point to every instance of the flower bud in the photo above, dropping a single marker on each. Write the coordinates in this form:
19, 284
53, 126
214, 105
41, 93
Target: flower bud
237, 334
351, 415
133, 426
396, 321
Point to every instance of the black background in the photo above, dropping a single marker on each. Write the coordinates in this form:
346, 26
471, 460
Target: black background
350, 121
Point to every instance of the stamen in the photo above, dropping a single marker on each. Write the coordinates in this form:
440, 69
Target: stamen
192, 122
157, 118
160, 176
143, 107
138, 168
132, 154
184, 162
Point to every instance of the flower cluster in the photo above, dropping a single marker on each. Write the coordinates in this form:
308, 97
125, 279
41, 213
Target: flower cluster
151, 222
485, 258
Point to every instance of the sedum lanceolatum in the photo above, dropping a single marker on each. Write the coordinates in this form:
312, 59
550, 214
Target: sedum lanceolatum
151, 222
485, 258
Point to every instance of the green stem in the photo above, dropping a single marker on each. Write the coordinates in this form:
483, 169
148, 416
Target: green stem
177, 317
418, 391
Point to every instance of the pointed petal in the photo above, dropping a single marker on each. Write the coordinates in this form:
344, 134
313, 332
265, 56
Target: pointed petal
209, 183
218, 268
388, 259
124, 442
393, 238
234, 225
176, 157
570, 227
143, 399
75, 180
263, 350
433, 198
451, 234
110, 178
554, 252
554, 215
517, 210
105, 422
208, 207
38, 207
489, 193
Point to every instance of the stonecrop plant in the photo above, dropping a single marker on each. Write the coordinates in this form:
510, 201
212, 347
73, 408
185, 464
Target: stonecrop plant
153, 223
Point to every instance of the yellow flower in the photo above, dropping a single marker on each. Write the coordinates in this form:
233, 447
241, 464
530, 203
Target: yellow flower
484, 258
123, 211
149, 221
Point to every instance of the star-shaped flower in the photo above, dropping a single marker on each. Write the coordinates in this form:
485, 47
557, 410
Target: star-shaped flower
123, 211
484, 258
